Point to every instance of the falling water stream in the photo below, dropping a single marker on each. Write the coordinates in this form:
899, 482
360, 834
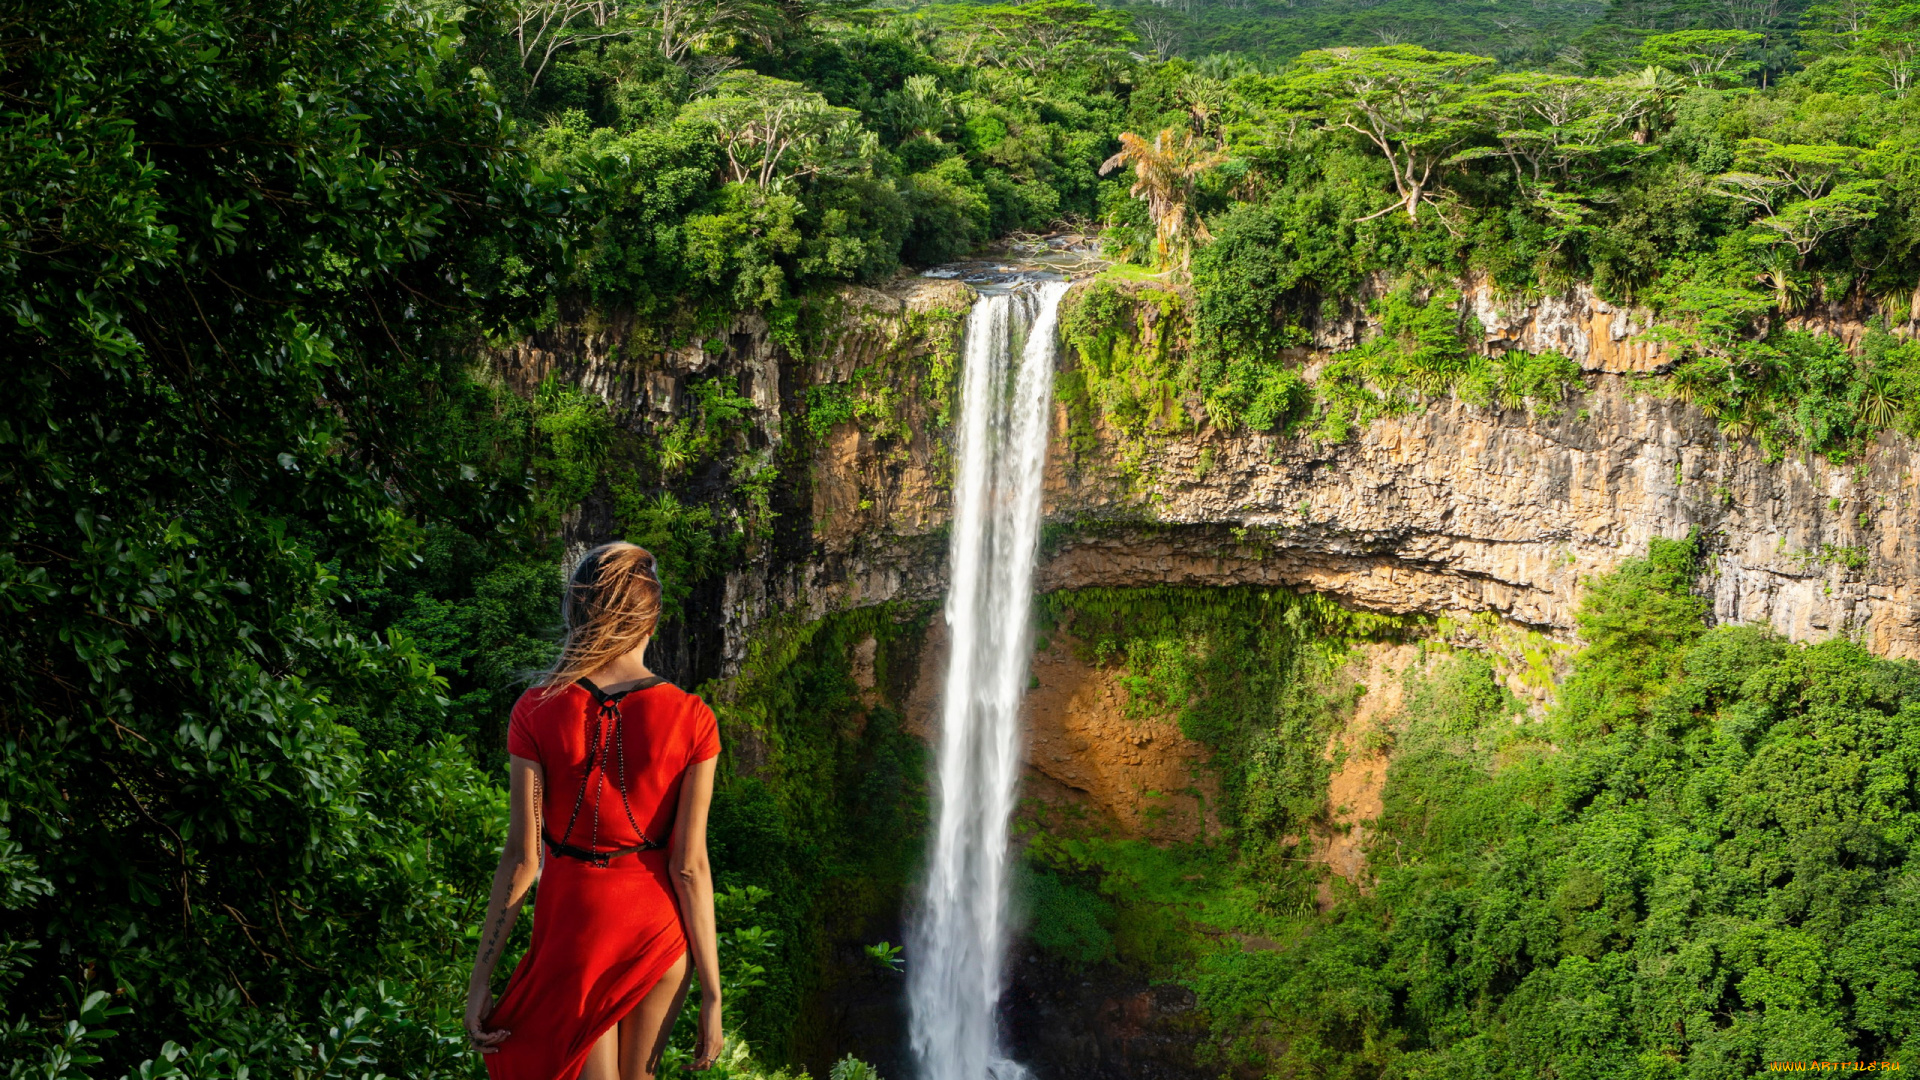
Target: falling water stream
959, 940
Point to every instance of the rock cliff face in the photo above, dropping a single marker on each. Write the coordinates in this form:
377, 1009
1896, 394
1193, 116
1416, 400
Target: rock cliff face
1139, 776
1459, 509
1451, 510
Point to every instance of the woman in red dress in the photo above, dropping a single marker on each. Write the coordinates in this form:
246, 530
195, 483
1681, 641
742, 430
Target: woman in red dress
612, 772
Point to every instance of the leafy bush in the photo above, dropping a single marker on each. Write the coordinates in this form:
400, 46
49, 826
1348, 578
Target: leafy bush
1066, 920
1703, 873
831, 824
1247, 282
1521, 380
951, 214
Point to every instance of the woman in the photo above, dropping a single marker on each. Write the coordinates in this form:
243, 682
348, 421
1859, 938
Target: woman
613, 771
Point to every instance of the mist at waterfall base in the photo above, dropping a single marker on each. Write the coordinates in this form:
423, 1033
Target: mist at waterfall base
958, 939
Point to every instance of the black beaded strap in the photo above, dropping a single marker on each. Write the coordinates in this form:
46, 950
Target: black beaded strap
606, 725
597, 858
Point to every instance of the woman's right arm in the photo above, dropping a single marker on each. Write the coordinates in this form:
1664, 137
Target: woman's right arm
519, 868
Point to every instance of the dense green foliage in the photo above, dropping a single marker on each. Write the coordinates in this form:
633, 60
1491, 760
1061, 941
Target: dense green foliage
278, 550
226, 419
1698, 863
830, 155
831, 824
1151, 365
1712, 872
1364, 186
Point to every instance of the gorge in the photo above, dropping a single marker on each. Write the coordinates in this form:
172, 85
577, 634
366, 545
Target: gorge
1462, 527
1454, 510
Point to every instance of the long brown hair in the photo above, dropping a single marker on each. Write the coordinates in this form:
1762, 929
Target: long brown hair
612, 605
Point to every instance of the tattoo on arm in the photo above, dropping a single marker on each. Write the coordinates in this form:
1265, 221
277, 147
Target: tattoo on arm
490, 951
493, 938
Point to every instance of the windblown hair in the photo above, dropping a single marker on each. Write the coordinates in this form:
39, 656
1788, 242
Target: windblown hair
612, 605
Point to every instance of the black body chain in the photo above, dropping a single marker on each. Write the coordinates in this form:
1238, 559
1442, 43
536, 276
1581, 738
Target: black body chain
606, 729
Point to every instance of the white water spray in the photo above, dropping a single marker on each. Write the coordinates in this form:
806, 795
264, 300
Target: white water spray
960, 937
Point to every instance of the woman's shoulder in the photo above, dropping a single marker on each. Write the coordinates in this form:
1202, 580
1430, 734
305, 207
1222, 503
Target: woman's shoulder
670, 696
540, 702
541, 699
533, 720
692, 720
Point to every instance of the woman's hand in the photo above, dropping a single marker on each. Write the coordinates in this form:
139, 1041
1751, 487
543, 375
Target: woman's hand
712, 1038
479, 1007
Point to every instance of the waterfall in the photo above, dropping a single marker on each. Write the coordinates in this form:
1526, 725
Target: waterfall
959, 940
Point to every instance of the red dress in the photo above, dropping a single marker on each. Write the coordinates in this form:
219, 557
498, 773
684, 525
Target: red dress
602, 935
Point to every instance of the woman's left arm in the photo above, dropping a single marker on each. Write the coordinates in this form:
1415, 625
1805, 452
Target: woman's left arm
693, 881
519, 868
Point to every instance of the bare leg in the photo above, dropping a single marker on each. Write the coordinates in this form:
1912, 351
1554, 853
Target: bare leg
631, 1049
603, 1061
644, 1032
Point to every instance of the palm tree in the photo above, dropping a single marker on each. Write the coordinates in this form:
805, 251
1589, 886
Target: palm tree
1900, 305
1164, 173
1780, 274
1880, 403
1650, 97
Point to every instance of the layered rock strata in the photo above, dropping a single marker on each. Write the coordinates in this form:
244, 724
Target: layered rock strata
1450, 510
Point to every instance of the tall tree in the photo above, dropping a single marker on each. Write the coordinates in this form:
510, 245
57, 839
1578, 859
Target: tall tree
773, 130
1892, 38
1709, 57
1048, 35
1415, 105
1545, 124
541, 28
1807, 192
1165, 171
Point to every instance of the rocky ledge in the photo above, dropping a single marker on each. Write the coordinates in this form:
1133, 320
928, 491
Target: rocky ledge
1451, 510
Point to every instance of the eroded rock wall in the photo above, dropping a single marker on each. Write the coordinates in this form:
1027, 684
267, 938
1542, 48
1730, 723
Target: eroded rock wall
1454, 509
1450, 510
1457, 509
1490, 516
